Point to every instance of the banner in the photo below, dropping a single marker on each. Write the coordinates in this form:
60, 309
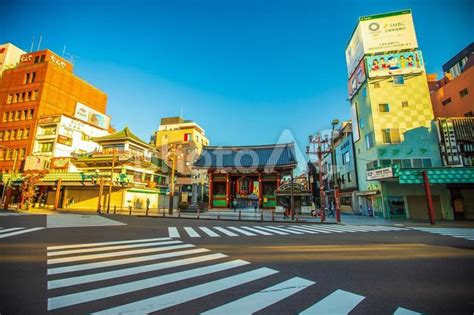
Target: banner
354, 51
394, 64
385, 172
356, 79
93, 117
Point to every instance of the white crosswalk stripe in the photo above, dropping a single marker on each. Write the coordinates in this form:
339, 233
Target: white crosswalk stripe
338, 302
9, 214
73, 284
8, 232
464, 233
272, 230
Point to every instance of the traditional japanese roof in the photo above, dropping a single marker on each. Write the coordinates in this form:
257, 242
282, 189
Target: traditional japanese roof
241, 157
123, 135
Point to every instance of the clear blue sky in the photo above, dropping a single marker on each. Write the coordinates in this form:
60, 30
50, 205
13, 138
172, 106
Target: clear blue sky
244, 70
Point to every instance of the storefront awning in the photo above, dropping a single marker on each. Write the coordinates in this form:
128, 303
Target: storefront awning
441, 175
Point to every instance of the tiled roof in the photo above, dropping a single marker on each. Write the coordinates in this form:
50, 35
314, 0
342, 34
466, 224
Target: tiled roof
273, 155
125, 134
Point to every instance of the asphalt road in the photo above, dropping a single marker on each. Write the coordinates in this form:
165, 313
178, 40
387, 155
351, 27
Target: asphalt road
280, 269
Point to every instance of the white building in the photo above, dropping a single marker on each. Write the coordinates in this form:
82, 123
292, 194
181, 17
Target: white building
9, 56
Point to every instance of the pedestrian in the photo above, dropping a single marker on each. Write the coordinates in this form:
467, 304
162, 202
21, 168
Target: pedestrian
234, 204
331, 209
147, 204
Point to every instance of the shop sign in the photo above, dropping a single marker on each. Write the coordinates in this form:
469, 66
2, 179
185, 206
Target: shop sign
26, 58
57, 61
380, 173
91, 116
35, 162
60, 162
394, 64
64, 140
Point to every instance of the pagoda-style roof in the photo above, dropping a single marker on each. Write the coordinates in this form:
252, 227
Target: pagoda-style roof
124, 135
242, 157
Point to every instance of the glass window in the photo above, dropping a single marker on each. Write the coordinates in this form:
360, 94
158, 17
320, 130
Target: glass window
30, 113
27, 78
398, 80
427, 163
376, 85
406, 163
397, 162
446, 101
36, 59
386, 136
391, 135
26, 133
369, 140
346, 158
349, 177
384, 108
33, 77
42, 58
45, 147
396, 206
1, 135
463, 92
9, 98
405, 104
385, 163
417, 163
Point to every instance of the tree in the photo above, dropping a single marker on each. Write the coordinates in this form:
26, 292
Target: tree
30, 179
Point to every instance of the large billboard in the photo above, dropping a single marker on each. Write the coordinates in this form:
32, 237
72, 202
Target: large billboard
87, 114
393, 64
355, 122
357, 78
393, 31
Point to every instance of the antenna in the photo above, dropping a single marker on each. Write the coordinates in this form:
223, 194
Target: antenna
181, 114
64, 51
39, 43
32, 44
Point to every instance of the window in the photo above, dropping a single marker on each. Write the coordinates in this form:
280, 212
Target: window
187, 137
349, 177
1, 135
12, 135
384, 108
45, 147
2, 154
24, 113
5, 116
463, 92
364, 92
27, 96
446, 101
8, 154
35, 95
19, 134
30, 113
33, 77
398, 80
397, 162
6, 137
417, 163
9, 98
42, 58
385, 163
346, 158
27, 78
406, 163
371, 165
37, 59
405, 104
26, 133
17, 115
427, 163
22, 153
369, 140
390, 136
376, 85
343, 181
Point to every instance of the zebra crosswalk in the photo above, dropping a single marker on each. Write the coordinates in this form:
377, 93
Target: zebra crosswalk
464, 233
8, 232
272, 230
107, 277
8, 214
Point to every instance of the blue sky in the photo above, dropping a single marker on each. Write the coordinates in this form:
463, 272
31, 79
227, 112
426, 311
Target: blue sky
244, 70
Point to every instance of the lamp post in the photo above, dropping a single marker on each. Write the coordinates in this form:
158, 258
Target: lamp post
111, 181
334, 123
15, 157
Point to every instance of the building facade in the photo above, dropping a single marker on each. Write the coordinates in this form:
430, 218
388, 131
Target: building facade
453, 95
189, 139
392, 117
9, 56
42, 84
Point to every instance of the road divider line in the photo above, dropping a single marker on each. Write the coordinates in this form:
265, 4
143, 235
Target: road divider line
101, 293
110, 263
160, 302
338, 302
110, 248
114, 254
106, 243
262, 299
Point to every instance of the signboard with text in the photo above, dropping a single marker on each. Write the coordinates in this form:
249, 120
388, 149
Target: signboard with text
380, 173
93, 117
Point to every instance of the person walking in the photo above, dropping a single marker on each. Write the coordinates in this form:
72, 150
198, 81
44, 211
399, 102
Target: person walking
234, 204
331, 209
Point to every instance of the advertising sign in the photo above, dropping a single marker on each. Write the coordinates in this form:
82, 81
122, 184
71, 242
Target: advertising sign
60, 162
394, 64
357, 78
355, 122
35, 162
87, 114
385, 172
354, 51
65, 140
388, 32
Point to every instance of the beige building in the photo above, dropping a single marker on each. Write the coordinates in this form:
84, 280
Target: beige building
189, 138
9, 56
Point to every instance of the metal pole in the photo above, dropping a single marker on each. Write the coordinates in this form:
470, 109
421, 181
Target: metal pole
429, 200
173, 166
111, 182
335, 183
292, 197
101, 189
321, 184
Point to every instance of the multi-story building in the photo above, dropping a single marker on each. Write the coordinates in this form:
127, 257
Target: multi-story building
392, 119
9, 56
190, 139
42, 84
452, 96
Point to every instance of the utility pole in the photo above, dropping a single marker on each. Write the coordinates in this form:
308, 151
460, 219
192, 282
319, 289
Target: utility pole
172, 156
334, 123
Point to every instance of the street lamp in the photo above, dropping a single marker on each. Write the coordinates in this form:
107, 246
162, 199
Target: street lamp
173, 157
334, 123
15, 157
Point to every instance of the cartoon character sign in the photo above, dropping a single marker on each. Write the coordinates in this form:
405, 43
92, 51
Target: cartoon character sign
395, 64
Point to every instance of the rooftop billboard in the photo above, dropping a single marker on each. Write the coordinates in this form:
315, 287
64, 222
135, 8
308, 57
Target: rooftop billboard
394, 64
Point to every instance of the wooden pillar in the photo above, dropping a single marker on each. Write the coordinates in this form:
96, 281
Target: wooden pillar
227, 191
101, 190
278, 180
57, 196
211, 189
429, 199
260, 190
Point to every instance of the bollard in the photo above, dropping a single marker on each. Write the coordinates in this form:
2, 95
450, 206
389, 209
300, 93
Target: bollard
240, 215
199, 212
273, 215
261, 216
179, 213
115, 209
164, 213
218, 214
129, 210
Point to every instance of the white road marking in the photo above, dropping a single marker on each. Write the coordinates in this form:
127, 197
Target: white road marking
271, 230
209, 232
66, 282
226, 232
109, 263
315, 229
262, 299
255, 230
291, 228
160, 302
284, 229
191, 232
20, 232
241, 231
404, 311
11, 229
338, 302
327, 229
114, 254
110, 248
173, 232
106, 243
